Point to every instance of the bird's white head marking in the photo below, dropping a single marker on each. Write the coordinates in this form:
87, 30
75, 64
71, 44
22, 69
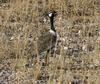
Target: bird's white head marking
50, 14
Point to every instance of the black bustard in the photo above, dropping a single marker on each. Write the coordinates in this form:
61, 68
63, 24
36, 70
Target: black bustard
48, 40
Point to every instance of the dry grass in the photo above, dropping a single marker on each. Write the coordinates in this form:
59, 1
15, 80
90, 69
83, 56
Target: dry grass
77, 22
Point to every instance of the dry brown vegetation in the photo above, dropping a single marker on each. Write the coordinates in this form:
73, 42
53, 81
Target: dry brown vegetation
77, 22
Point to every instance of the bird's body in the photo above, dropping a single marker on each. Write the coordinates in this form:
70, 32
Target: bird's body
45, 42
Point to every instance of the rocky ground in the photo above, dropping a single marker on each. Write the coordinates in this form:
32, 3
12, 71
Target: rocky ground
78, 24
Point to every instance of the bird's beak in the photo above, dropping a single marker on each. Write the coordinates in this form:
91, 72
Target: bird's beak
55, 13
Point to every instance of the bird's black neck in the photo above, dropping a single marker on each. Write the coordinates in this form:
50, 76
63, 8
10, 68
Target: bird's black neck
52, 23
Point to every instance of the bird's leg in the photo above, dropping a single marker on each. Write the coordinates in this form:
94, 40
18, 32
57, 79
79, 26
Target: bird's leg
29, 62
46, 57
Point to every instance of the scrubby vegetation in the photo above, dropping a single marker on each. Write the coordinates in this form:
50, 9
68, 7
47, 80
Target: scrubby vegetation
78, 24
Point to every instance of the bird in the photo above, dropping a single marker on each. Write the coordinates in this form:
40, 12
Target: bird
48, 40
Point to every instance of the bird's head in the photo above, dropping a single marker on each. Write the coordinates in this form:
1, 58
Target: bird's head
52, 14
